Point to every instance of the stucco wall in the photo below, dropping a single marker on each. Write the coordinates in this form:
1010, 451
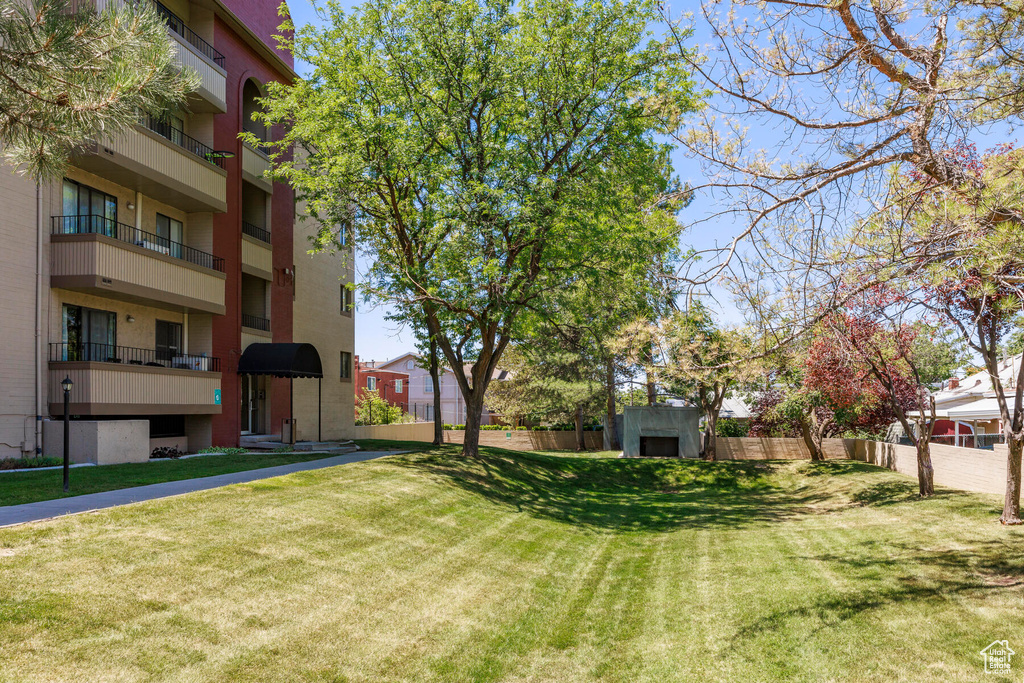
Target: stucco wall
103, 442
967, 469
417, 431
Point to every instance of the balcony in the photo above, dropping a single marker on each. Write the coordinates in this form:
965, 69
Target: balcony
163, 163
257, 256
193, 52
96, 255
256, 232
254, 165
119, 380
255, 322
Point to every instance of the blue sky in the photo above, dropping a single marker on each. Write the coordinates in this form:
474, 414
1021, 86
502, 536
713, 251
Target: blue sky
377, 338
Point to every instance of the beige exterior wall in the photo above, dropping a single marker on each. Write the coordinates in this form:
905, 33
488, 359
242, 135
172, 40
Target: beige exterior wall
140, 334
317, 320
18, 232
416, 431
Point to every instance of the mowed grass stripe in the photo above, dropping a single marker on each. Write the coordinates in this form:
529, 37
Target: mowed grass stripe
519, 567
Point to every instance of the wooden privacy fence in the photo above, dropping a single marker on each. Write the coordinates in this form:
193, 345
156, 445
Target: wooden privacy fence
523, 440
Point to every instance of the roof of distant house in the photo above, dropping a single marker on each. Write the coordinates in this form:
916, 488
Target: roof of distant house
978, 385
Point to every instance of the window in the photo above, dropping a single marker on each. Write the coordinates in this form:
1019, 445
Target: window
371, 383
168, 233
346, 365
342, 235
346, 300
89, 334
168, 340
398, 386
87, 210
410, 364
428, 384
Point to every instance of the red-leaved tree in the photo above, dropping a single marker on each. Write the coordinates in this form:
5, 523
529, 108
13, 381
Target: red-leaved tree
872, 331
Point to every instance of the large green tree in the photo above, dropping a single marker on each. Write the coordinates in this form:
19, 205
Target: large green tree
484, 147
69, 74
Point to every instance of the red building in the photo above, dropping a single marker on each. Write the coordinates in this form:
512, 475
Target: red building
390, 385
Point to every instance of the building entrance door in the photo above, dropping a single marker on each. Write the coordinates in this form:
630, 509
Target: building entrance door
252, 404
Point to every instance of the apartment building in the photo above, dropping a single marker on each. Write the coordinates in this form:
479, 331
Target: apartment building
163, 262
421, 391
391, 385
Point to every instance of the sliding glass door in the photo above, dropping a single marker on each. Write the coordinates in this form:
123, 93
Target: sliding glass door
88, 210
89, 334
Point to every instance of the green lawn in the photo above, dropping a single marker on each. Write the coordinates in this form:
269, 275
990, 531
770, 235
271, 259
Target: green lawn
521, 567
29, 487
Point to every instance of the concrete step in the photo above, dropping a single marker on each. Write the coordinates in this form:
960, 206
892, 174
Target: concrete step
247, 439
332, 447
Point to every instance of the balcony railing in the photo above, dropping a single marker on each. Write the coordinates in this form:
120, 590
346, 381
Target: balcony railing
127, 355
189, 144
255, 322
253, 231
175, 23
99, 225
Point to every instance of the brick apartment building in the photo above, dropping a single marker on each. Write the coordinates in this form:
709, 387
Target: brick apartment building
164, 259
391, 385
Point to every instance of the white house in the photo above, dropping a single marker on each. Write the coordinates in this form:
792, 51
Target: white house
967, 407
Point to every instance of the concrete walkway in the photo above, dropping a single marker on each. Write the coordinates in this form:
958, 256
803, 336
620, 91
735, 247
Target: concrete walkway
46, 509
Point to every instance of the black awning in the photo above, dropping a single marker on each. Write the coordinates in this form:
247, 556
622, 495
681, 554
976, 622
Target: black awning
281, 360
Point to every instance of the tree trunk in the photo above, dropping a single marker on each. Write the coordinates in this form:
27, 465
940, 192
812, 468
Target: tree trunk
435, 382
652, 393
474, 406
812, 445
613, 437
710, 442
580, 443
925, 474
1011, 504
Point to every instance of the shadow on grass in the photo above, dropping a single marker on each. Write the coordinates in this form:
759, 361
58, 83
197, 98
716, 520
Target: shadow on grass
624, 494
888, 573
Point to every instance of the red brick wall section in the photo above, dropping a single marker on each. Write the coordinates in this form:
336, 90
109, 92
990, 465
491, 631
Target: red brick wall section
385, 384
262, 18
242, 63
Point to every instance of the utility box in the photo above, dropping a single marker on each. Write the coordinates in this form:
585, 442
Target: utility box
100, 442
660, 431
288, 430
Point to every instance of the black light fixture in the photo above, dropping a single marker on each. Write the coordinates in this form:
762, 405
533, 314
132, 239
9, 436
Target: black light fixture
67, 385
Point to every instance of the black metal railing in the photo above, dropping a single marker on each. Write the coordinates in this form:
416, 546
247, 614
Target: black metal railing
253, 231
99, 225
164, 129
255, 322
175, 23
128, 355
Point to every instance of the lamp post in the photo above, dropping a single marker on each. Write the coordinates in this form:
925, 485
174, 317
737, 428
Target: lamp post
66, 385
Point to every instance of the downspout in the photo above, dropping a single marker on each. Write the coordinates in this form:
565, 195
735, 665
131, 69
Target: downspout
40, 376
